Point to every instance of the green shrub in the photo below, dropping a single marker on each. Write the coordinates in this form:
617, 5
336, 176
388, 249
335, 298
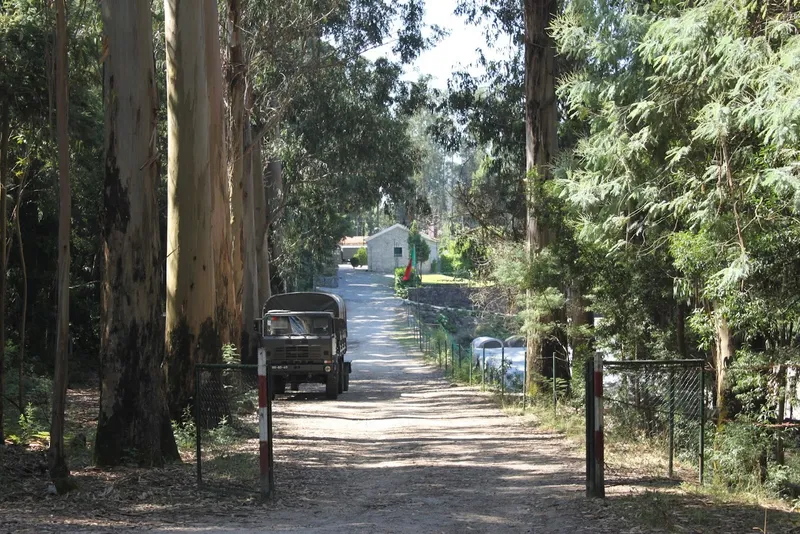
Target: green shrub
401, 286
185, 431
417, 242
361, 255
434, 266
354, 262
446, 262
738, 454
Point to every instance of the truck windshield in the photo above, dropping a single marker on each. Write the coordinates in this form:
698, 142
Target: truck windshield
284, 325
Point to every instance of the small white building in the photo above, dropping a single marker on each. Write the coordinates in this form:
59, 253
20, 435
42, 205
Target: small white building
388, 249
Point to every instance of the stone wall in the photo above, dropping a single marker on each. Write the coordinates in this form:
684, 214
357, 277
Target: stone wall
462, 297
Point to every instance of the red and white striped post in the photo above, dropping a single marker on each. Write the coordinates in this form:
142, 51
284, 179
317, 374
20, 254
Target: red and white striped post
263, 423
599, 453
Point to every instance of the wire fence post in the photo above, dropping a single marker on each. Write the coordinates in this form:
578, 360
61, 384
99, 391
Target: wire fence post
525, 381
483, 371
555, 393
588, 375
197, 433
502, 374
702, 420
445, 354
264, 445
671, 420
599, 452
471, 364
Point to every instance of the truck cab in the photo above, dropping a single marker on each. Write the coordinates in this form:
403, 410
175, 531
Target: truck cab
305, 339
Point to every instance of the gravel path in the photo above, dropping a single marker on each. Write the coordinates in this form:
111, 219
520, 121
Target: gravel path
404, 451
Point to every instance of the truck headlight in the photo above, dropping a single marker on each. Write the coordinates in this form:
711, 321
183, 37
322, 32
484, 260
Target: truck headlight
327, 368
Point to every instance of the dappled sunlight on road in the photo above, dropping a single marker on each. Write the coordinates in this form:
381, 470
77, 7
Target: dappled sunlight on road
404, 440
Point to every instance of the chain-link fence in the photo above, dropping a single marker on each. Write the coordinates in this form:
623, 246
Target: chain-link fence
654, 415
226, 418
499, 369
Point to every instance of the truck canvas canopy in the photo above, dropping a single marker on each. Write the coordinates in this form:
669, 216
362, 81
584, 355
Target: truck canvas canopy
307, 301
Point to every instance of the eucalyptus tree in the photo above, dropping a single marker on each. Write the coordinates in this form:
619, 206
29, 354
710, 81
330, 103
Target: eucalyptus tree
191, 331
59, 471
134, 415
226, 314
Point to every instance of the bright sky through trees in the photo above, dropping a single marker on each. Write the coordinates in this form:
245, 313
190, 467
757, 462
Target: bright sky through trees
456, 51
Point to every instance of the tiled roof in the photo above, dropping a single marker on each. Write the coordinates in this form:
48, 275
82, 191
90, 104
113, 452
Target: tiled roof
398, 225
355, 241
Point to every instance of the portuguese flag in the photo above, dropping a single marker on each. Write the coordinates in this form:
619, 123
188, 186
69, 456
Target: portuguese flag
411, 261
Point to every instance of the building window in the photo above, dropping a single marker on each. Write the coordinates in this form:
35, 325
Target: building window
398, 252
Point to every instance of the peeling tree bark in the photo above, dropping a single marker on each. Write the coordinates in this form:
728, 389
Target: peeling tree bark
261, 224
236, 88
540, 144
225, 303
191, 333
24, 317
723, 352
59, 472
250, 279
274, 186
133, 393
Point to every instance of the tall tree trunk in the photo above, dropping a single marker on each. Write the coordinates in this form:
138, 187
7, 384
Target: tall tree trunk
249, 244
225, 303
261, 223
781, 384
4, 134
191, 333
236, 88
133, 393
540, 143
723, 352
59, 472
24, 317
274, 186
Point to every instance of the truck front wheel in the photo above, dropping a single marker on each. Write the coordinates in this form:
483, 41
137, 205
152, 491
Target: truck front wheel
280, 386
332, 385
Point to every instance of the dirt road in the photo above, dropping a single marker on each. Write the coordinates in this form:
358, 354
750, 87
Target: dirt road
404, 451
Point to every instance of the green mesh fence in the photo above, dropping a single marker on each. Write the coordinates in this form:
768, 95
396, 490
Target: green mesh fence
654, 413
227, 427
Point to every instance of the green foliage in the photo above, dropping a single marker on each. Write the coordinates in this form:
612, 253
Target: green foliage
361, 256
737, 454
33, 424
456, 261
418, 243
401, 286
230, 354
185, 430
445, 263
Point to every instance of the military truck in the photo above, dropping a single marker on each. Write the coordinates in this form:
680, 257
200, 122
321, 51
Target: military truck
305, 339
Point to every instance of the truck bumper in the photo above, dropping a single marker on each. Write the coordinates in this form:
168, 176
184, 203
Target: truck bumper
286, 369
